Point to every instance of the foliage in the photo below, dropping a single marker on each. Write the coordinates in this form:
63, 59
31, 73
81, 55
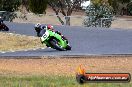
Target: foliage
117, 5
9, 16
123, 1
38, 6
98, 15
114, 5
129, 7
9, 5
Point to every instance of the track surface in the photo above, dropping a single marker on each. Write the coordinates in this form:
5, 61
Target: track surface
84, 41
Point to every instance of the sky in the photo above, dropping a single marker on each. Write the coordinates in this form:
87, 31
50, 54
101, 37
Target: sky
85, 4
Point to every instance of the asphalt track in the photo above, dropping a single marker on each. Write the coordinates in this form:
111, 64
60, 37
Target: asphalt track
84, 41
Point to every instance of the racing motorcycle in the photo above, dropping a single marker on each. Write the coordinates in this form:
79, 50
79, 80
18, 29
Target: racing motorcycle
3, 27
54, 40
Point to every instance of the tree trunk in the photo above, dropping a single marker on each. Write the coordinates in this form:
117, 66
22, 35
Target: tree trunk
56, 12
60, 20
67, 20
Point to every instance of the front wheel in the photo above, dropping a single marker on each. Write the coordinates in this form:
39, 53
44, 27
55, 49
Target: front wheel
68, 47
6, 28
55, 45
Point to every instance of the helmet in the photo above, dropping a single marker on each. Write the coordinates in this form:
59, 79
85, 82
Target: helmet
50, 27
37, 26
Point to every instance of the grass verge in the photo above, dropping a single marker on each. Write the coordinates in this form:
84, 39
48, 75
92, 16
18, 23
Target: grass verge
51, 81
12, 42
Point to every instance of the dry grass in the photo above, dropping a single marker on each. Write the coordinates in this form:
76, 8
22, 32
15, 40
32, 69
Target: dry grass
124, 22
9, 42
65, 66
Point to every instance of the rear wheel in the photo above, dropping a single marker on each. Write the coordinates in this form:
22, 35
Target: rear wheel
55, 45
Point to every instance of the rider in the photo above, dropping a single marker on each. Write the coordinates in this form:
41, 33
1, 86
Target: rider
39, 28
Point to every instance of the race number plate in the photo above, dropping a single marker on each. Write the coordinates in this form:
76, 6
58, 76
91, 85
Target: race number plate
45, 36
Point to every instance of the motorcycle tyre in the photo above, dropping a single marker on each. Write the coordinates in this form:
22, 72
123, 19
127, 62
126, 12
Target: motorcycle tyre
55, 45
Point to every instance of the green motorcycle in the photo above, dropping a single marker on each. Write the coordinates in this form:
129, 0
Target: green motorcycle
54, 40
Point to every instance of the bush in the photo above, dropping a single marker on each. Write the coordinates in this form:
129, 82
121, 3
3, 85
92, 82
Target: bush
7, 8
38, 6
9, 5
98, 16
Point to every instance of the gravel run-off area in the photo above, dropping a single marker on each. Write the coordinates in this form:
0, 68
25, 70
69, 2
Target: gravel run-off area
65, 65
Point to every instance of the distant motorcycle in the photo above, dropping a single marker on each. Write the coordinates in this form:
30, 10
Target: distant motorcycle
3, 27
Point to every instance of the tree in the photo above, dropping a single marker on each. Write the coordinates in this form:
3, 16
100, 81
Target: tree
122, 8
129, 8
38, 6
35, 6
66, 7
118, 5
25, 4
98, 15
9, 6
99, 2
